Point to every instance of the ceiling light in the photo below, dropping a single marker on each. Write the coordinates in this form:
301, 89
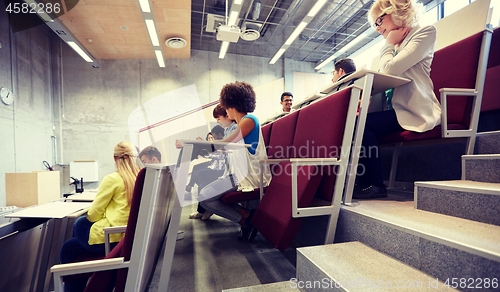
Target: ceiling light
238, 2
149, 20
233, 17
305, 21
39, 10
145, 6
353, 42
296, 33
150, 24
277, 56
343, 50
79, 50
316, 8
223, 50
159, 58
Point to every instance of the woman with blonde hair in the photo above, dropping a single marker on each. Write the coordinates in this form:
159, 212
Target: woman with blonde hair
111, 207
407, 52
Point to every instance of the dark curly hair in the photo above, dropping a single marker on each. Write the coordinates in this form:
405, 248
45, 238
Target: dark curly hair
238, 95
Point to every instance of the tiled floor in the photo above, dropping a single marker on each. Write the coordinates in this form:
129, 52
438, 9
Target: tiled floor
209, 258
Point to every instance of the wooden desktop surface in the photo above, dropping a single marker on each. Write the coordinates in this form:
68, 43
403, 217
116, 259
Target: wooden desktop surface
381, 81
227, 145
51, 210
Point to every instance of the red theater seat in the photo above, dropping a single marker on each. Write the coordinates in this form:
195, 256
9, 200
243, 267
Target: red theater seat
491, 94
318, 134
453, 67
273, 217
266, 133
100, 281
155, 212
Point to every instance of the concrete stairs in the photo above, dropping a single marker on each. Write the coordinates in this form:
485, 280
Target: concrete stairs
476, 198
441, 246
443, 235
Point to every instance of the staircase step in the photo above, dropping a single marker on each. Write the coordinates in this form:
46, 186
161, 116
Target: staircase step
439, 245
284, 286
488, 143
477, 201
482, 168
353, 266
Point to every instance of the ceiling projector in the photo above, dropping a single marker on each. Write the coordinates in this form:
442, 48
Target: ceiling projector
228, 33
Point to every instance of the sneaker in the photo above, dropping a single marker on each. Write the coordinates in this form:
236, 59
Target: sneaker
206, 216
370, 192
196, 215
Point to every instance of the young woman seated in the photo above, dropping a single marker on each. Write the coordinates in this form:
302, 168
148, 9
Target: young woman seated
239, 100
111, 207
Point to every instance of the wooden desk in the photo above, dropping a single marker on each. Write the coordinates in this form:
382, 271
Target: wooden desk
51, 210
58, 214
182, 171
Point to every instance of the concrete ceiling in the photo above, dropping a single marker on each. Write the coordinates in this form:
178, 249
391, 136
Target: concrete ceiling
114, 29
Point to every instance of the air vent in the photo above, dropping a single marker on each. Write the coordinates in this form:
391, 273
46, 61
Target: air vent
250, 31
176, 43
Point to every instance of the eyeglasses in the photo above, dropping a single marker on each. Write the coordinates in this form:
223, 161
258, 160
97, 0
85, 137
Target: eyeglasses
378, 21
287, 100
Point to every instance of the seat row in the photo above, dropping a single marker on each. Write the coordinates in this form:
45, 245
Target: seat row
308, 151
465, 77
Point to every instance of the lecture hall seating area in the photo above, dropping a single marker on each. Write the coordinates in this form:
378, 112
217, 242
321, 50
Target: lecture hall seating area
424, 235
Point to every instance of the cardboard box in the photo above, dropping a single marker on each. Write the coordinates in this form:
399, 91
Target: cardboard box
35, 188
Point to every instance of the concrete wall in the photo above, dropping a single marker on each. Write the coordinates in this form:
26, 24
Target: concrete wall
26, 125
92, 113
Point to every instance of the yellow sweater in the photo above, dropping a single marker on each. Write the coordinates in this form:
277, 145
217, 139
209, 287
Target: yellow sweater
110, 208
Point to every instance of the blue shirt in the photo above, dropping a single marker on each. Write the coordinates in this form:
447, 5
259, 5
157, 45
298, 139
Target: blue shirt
230, 129
252, 137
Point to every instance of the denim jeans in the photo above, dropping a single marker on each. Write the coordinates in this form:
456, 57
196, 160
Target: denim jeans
77, 246
209, 198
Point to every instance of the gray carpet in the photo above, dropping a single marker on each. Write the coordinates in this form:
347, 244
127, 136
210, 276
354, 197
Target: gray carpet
209, 258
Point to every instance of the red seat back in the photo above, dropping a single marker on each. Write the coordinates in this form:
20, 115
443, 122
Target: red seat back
281, 138
455, 66
491, 100
100, 281
318, 133
266, 133
494, 56
320, 129
273, 217
491, 93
